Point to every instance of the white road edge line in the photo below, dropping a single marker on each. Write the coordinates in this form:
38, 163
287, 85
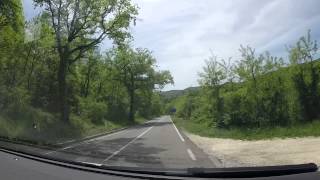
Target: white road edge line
50, 152
96, 164
83, 142
102, 137
87, 141
192, 156
182, 139
123, 147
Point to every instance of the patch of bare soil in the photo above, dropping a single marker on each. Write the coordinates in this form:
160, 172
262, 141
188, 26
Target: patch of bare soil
233, 153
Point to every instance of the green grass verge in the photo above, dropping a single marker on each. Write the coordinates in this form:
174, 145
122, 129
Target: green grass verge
299, 130
49, 130
89, 129
82, 128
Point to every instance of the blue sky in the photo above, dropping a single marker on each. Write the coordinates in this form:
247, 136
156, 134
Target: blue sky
182, 33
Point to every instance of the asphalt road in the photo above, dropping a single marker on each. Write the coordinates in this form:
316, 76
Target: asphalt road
155, 144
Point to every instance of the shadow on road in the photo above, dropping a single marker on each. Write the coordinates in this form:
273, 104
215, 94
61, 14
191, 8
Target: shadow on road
136, 155
148, 124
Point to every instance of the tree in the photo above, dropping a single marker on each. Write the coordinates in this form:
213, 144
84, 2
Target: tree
273, 97
80, 25
229, 69
90, 72
212, 74
11, 24
211, 79
249, 68
306, 75
135, 69
11, 43
10, 11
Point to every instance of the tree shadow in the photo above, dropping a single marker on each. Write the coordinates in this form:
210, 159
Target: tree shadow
136, 154
148, 124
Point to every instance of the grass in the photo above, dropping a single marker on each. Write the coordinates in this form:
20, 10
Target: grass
84, 127
50, 130
89, 129
299, 130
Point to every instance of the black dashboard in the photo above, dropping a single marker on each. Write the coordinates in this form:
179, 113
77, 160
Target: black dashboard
16, 167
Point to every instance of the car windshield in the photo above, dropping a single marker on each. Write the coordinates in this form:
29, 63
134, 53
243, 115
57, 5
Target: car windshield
161, 84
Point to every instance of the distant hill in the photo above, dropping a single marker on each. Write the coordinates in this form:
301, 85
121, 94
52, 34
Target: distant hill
168, 95
176, 93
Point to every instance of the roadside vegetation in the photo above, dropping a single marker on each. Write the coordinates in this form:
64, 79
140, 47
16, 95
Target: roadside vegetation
258, 96
293, 131
56, 82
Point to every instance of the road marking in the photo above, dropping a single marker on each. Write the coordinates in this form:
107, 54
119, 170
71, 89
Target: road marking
90, 140
117, 152
47, 153
96, 164
83, 142
192, 156
67, 147
102, 137
182, 139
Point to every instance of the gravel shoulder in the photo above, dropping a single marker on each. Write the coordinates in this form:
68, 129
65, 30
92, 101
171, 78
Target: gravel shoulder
235, 153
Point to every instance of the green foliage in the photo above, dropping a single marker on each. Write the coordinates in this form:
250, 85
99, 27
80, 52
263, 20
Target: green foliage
93, 110
258, 92
134, 69
79, 26
243, 133
55, 83
305, 76
11, 14
27, 123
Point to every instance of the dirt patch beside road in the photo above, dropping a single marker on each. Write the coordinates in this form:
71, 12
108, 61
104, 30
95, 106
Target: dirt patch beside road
233, 153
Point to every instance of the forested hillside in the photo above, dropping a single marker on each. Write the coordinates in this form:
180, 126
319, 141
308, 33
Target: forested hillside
171, 94
258, 92
56, 81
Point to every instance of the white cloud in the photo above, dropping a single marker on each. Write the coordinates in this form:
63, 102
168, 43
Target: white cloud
182, 32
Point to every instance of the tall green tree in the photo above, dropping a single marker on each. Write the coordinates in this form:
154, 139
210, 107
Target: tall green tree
306, 76
135, 69
11, 13
211, 78
80, 25
11, 43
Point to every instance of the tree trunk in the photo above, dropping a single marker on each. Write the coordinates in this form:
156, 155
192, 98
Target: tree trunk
63, 90
131, 108
30, 74
131, 89
87, 81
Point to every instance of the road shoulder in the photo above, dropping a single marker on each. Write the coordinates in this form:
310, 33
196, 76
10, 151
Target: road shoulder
239, 153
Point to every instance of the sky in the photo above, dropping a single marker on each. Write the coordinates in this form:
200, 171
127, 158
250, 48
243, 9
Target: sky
183, 33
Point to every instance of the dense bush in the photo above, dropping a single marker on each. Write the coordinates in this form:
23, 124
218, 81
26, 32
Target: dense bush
93, 110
